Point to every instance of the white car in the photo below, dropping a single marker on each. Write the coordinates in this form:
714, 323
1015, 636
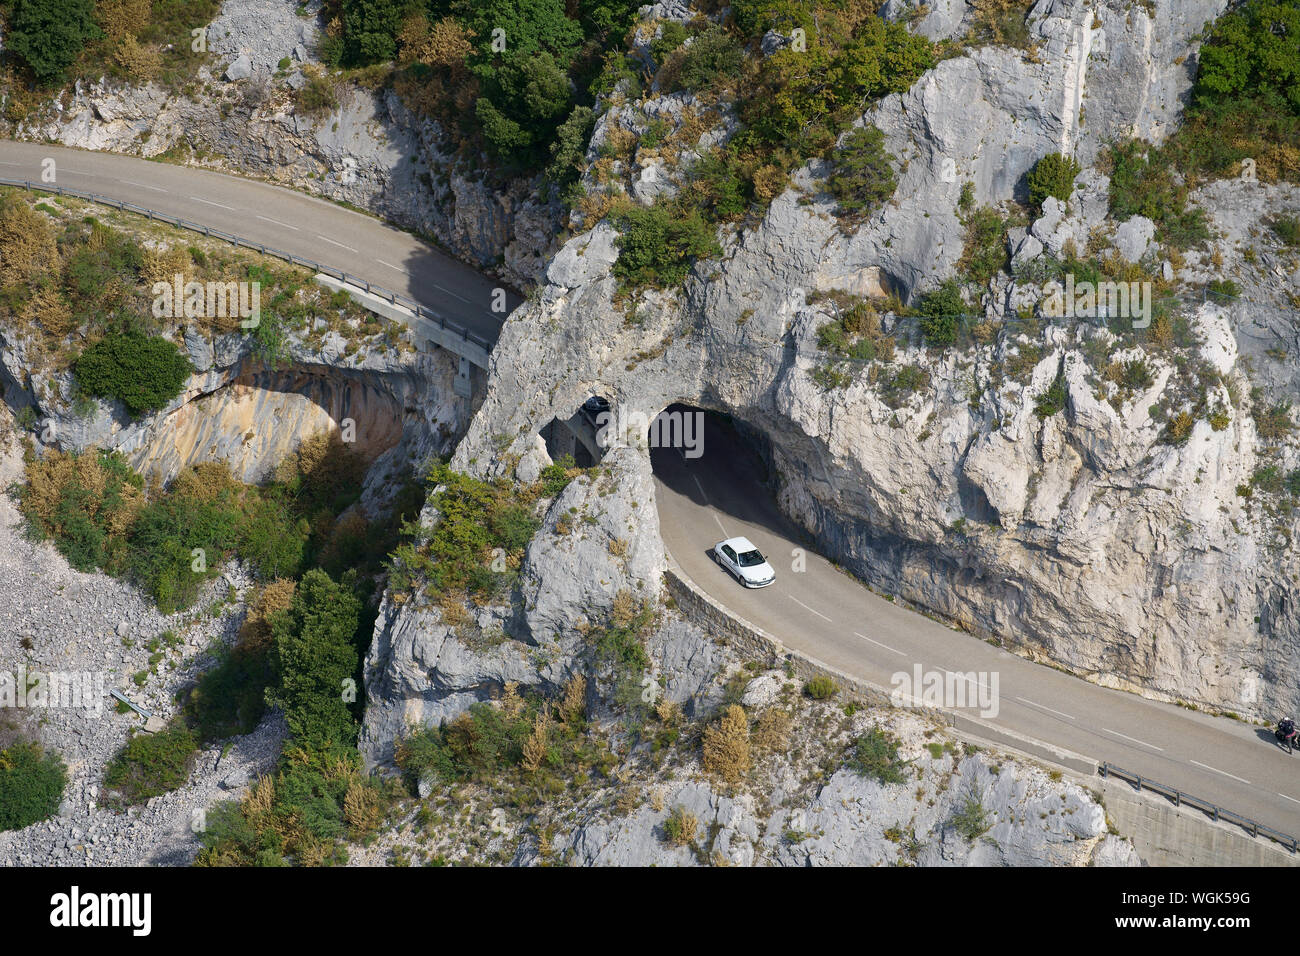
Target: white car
744, 561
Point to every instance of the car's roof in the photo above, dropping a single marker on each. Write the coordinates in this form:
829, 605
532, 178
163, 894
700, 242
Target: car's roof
740, 544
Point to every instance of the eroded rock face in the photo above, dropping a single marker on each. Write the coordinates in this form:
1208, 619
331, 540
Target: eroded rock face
599, 538
1084, 538
960, 810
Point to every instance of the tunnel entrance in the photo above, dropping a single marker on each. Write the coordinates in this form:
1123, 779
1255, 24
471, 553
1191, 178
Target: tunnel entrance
717, 462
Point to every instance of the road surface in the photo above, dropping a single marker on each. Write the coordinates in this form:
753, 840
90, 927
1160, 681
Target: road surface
831, 616
821, 611
275, 216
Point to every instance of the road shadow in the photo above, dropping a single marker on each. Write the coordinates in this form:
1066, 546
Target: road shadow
1267, 736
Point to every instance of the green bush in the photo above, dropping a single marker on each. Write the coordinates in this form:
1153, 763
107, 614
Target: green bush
1053, 175
152, 764
712, 54
143, 372
971, 820
875, 756
1287, 230
1143, 183
940, 313
48, 35
863, 179
313, 658
671, 36
821, 687
31, 785
1053, 400
658, 244
984, 253
1253, 51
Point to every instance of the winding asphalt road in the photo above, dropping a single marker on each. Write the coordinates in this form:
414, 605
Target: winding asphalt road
820, 611
275, 216
831, 616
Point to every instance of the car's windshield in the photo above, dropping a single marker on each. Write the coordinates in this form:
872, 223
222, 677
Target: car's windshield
750, 558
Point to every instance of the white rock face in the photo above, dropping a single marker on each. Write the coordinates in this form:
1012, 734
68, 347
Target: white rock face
1086, 539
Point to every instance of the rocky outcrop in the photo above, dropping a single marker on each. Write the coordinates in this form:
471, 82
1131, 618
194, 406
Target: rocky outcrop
959, 807
599, 538
1085, 538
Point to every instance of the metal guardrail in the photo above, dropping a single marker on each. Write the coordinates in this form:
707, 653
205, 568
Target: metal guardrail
1215, 812
395, 298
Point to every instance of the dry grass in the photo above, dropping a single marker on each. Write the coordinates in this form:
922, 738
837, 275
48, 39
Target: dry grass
727, 745
573, 706
771, 731
49, 477
255, 632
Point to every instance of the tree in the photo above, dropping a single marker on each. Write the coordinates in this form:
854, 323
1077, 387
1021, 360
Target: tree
370, 29
49, 34
31, 785
1053, 175
659, 243
941, 311
1254, 50
313, 659
143, 372
864, 174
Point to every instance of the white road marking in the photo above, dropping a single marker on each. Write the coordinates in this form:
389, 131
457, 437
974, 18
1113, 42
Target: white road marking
391, 266
1134, 739
278, 223
1285, 797
335, 243
211, 203
448, 291
132, 182
1044, 707
878, 644
812, 610
720, 526
703, 493
1206, 766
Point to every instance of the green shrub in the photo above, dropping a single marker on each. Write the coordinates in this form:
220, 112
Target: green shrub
821, 687
1142, 183
1053, 175
1287, 230
941, 312
143, 372
31, 785
984, 253
863, 179
712, 54
1273, 422
671, 36
658, 244
875, 756
680, 827
317, 97
971, 820
1053, 400
152, 764
48, 35
313, 659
